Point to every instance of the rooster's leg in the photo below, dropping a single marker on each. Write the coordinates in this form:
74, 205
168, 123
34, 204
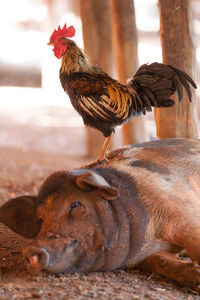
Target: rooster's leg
102, 152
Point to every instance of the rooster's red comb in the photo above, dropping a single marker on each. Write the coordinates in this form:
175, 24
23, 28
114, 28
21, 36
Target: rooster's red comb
64, 32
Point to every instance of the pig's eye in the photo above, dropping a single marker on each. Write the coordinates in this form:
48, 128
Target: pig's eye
73, 205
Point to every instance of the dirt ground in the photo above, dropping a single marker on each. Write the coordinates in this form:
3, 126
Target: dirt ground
23, 169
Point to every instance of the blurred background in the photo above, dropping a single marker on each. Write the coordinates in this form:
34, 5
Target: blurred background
35, 113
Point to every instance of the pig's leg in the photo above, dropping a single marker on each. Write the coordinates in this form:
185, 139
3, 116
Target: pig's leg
186, 234
167, 264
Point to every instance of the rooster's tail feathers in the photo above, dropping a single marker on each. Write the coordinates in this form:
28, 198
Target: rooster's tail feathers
154, 84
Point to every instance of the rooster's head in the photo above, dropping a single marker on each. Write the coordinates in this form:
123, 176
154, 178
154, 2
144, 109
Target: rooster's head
58, 39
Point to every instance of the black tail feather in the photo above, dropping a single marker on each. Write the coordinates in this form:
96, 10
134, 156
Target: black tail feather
154, 84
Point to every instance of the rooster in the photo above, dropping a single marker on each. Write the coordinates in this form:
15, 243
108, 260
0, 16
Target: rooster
105, 103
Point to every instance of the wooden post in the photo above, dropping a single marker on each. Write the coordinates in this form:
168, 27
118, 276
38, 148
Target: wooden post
96, 25
178, 50
126, 58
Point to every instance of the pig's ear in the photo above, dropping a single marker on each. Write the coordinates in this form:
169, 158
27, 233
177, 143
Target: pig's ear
20, 215
88, 180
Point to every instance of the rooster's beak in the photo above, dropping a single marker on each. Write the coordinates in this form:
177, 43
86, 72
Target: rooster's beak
50, 44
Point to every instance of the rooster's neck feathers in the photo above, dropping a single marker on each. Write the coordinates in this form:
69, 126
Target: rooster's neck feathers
74, 60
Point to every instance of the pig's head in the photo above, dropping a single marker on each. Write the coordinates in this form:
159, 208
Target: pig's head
66, 220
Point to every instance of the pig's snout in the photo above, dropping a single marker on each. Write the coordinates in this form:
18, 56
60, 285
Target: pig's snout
37, 258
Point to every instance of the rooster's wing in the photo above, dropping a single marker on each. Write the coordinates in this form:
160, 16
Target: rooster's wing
98, 96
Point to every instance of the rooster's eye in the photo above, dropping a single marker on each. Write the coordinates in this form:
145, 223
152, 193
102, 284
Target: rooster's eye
73, 205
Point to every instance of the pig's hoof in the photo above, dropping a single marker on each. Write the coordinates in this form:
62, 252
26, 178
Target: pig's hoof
190, 277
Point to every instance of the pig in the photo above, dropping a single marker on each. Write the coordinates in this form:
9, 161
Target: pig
138, 208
